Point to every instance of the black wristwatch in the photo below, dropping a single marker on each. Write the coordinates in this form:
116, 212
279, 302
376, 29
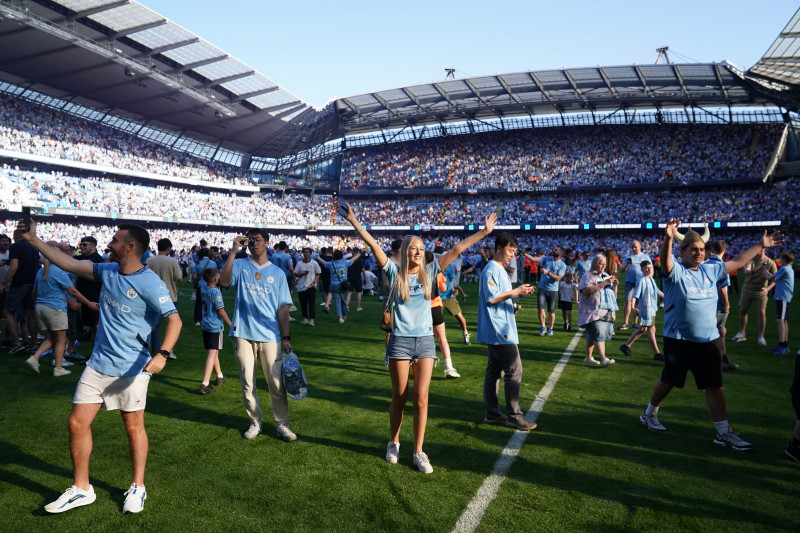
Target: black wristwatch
165, 353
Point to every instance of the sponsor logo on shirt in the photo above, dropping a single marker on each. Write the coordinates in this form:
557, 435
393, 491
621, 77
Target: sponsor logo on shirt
164, 299
109, 302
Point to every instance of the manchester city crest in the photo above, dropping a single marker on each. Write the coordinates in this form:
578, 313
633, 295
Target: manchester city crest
131, 294
270, 279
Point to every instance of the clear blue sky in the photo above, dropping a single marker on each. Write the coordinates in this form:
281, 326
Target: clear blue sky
321, 50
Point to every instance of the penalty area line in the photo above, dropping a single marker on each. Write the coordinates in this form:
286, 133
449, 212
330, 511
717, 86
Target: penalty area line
471, 517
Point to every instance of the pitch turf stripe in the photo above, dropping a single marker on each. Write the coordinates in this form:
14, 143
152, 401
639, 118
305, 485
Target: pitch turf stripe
472, 515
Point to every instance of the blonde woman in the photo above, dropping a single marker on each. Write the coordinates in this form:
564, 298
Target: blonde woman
50, 288
411, 343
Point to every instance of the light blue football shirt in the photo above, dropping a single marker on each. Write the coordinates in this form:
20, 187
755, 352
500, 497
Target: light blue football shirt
338, 270
50, 291
690, 302
646, 292
260, 290
634, 272
130, 307
556, 267
212, 300
496, 323
412, 318
784, 283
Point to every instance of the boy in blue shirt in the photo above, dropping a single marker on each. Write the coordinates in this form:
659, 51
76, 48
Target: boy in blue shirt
783, 281
132, 300
214, 316
497, 328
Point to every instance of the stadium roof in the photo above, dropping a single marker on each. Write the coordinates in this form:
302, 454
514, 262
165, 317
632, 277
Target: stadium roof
125, 60
547, 92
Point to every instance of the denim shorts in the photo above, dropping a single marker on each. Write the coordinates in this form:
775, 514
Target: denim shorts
411, 348
599, 331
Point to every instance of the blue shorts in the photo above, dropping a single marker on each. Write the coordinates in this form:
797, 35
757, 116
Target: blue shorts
646, 321
599, 331
629, 287
547, 300
410, 348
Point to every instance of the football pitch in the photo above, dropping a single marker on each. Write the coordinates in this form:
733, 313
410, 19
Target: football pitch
589, 466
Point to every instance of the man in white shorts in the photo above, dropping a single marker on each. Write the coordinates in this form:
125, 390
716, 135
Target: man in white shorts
132, 300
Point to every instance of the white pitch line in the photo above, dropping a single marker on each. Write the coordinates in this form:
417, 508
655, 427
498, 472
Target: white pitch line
472, 515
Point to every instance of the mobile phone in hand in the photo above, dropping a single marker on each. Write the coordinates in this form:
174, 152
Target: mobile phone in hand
26, 217
343, 208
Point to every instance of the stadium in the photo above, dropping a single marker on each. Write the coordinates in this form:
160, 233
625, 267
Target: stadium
110, 113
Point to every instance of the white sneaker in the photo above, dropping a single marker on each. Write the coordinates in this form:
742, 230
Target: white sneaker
134, 499
422, 462
607, 361
466, 337
738, 338
255, 429
451, 373
341, 320
304, 322
73, 497
64, 362
284, 433
359, 309
33, 364
762, 341
292, 308
591, 360
392, 452
61, 372
311, 322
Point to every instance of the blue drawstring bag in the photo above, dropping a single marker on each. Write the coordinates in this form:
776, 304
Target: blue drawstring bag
294, 380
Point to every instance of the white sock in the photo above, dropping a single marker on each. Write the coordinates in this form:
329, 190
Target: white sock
448, 363
220, 376
723, 427
651, 410
205, 383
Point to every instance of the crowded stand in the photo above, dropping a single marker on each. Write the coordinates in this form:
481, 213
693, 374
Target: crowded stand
567, 157
32, 129
57, 190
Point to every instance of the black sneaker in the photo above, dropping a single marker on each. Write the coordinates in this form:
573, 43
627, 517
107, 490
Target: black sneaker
205, 389
658, 357
732, 440
520, 423
793, 452
495, 419
221, 380
729, 365
625, 349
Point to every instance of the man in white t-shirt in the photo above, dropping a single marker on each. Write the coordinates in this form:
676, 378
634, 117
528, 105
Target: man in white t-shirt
306, 275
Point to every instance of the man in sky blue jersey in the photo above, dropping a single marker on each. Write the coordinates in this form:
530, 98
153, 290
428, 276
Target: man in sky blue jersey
259, 326
632, 266
690, 326
132, 300
497, 328
283, 260
551, 270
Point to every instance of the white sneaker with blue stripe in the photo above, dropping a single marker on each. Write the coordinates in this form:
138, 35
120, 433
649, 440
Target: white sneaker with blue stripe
134, 499
73, 497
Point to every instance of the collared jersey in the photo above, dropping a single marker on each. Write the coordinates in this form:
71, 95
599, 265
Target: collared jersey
212, 300
556, 267
130, 307
412, 318
50, 291
634, 272
690, 302
496, 323
260, 290
646, 292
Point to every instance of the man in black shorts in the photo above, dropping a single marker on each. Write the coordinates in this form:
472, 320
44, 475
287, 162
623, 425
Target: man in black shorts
690, 326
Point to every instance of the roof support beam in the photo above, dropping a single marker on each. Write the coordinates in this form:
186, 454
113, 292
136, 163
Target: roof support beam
680, 81
383, 102
251, 94
172, 46
508, 90
226, 79
540, 86
135, 29
610, 88
99, 9
722, 88
203, 62
643, 81
476, 92
444, 95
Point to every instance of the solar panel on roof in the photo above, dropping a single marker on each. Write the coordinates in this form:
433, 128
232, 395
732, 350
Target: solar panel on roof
250, 84
222, 69
161, 35
83, 5
126, 16
191, 53
263, 101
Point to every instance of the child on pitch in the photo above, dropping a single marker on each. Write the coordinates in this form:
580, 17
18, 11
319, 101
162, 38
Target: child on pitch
784, 290
645, 304
567, 294
214, 316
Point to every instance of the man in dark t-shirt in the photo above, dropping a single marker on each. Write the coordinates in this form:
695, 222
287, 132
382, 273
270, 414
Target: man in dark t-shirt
90, 289
23, 263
